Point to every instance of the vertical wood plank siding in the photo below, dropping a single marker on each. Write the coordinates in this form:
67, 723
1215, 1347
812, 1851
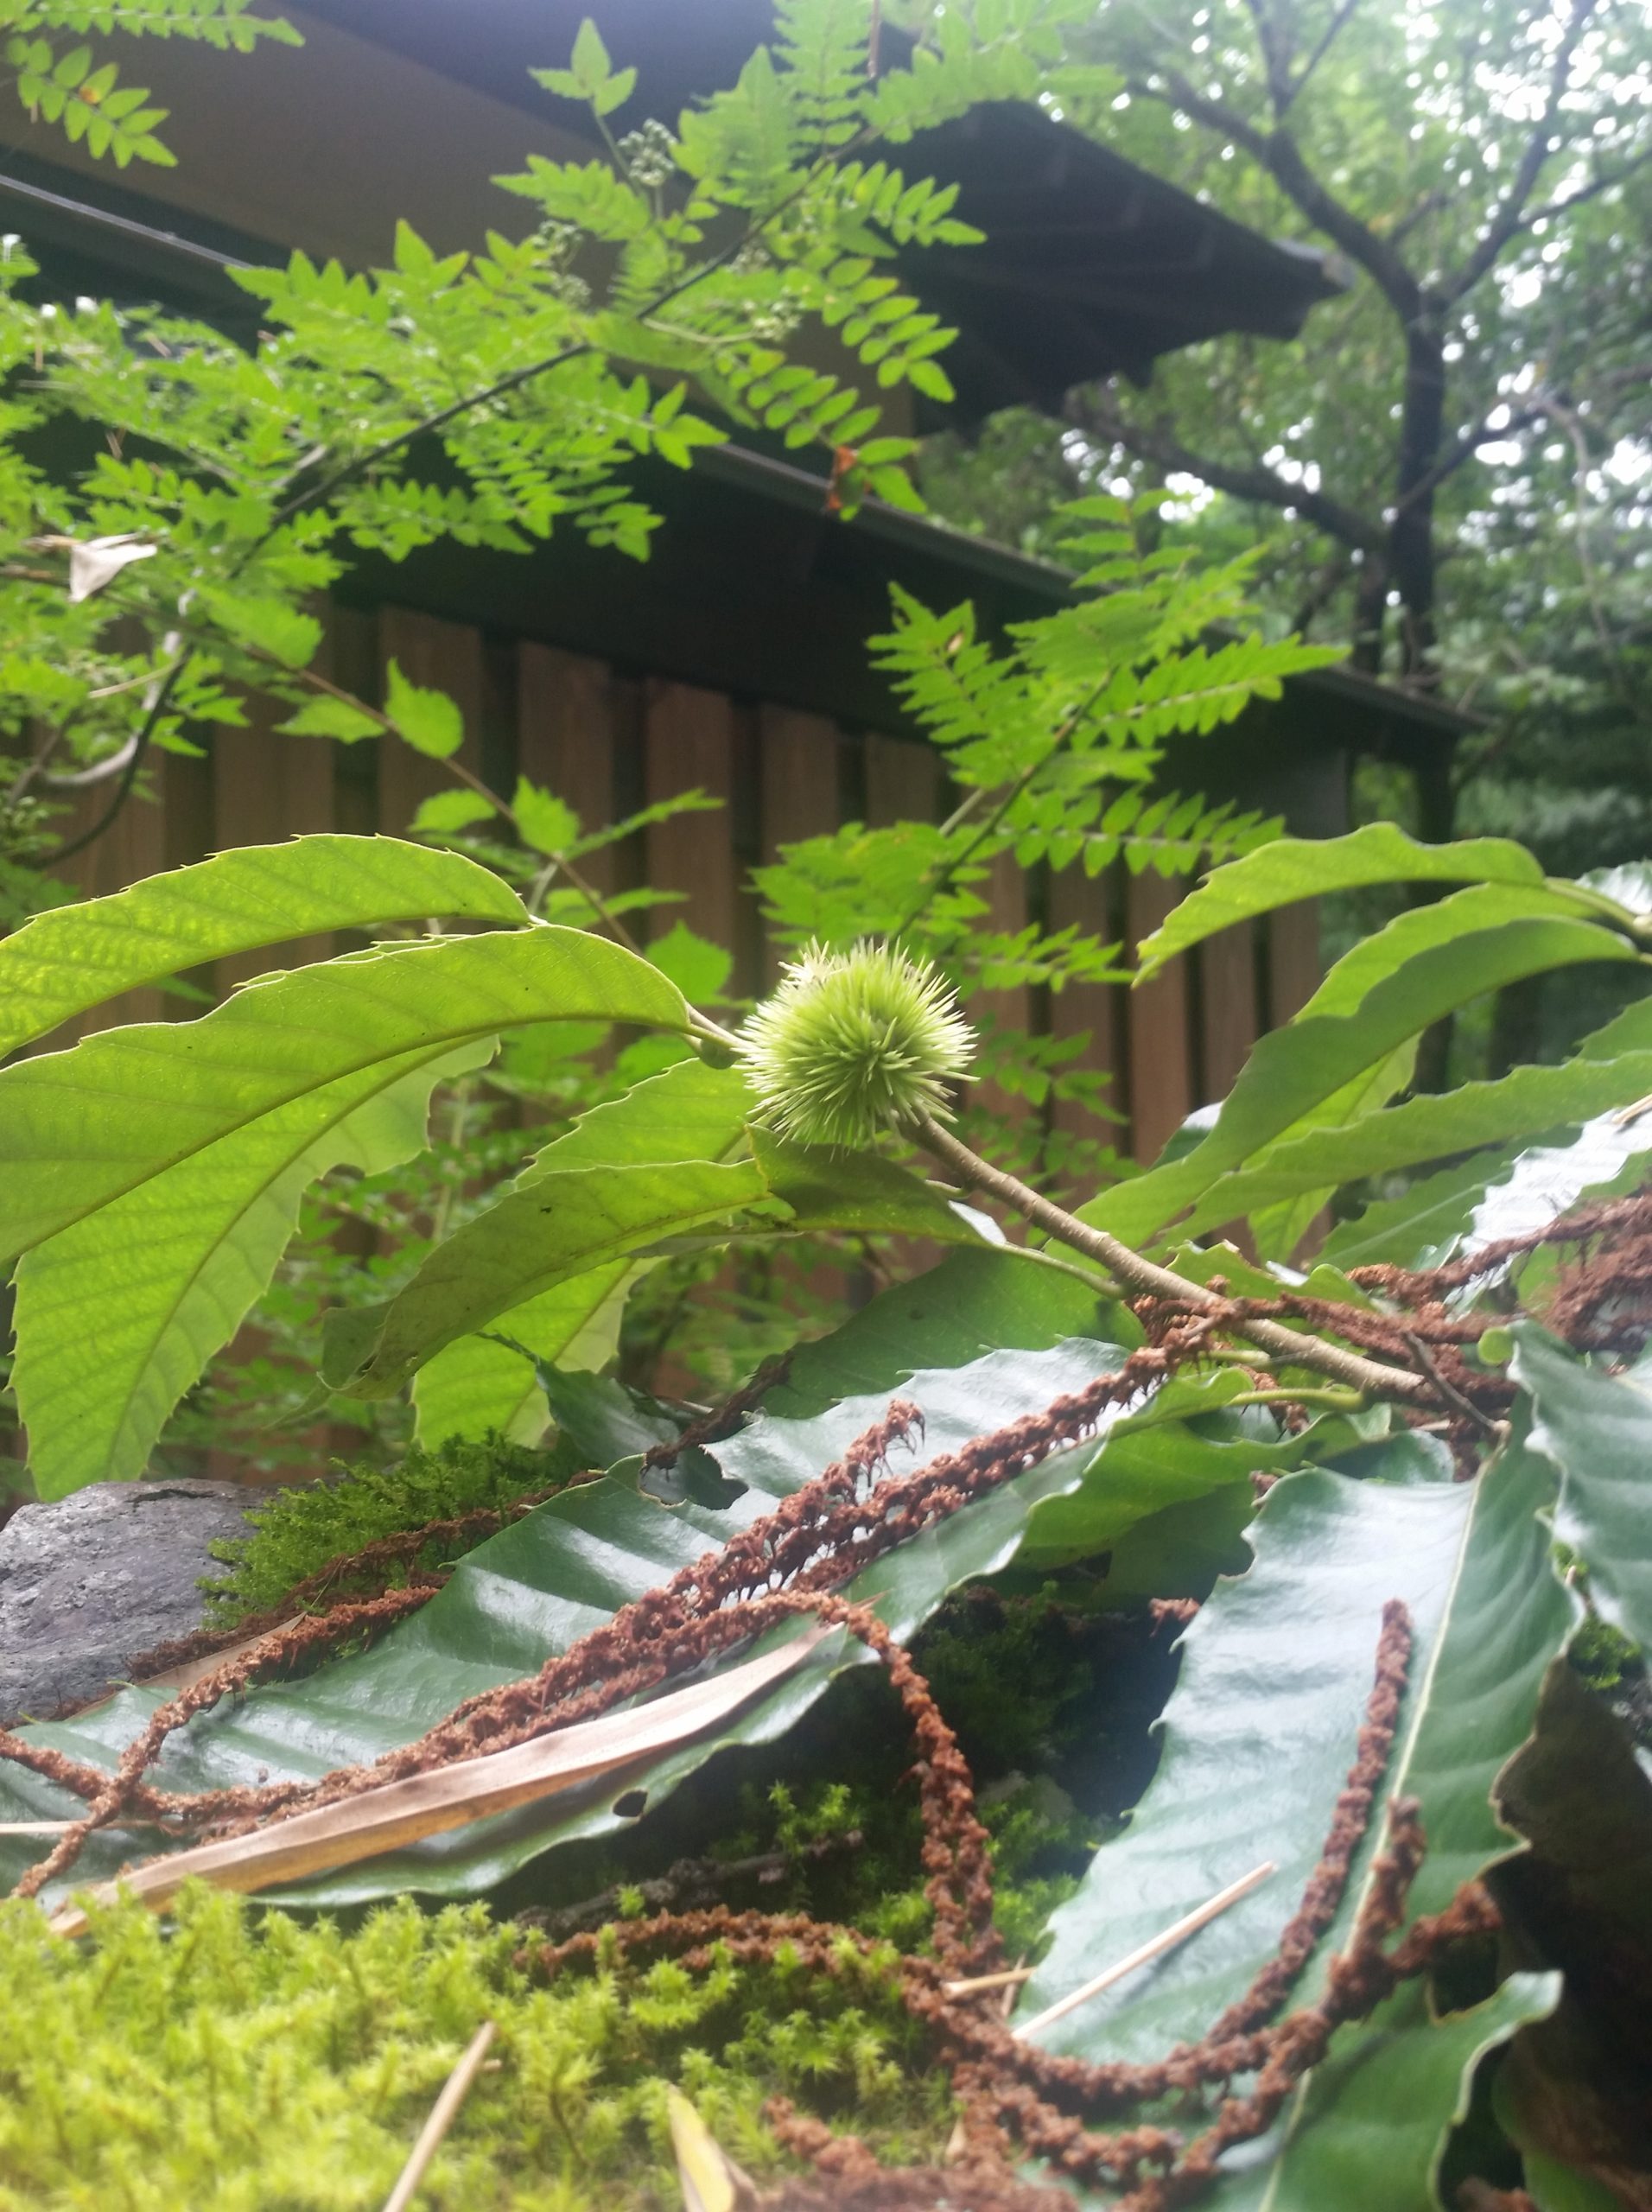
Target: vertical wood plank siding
1161, 1061
565, 741
688, 741
437, 656
609, 744
1093, 1010
1226, 999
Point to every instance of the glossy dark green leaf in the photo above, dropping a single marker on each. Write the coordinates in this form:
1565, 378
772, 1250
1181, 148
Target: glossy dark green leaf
1476, 1202
976, 1300
1367, 2133
1284, 1654
1422, 1227
1597, 1428
564, 1569
1573, 2093
602, 1419
1155, 1462
1470, 1562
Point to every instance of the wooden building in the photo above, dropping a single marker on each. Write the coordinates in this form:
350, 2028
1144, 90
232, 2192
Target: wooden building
735, 658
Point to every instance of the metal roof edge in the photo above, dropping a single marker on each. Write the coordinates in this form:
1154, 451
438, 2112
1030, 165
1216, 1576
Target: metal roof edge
800, 487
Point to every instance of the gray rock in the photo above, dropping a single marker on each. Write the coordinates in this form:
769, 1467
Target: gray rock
90, 1583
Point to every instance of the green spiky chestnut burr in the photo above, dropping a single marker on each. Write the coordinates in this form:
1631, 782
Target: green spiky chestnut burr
852, 1044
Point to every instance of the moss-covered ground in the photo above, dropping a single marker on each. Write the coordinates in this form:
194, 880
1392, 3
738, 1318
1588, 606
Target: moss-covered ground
240, 2060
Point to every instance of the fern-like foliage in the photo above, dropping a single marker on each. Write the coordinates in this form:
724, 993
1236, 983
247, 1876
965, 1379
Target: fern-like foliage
671, 285
60, 80
1054, 741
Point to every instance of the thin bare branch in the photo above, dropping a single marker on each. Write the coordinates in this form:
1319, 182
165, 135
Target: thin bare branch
1256, 480
1272, 37
1328, 38
1466, 445
1506, 216
1278, 153
1603, 180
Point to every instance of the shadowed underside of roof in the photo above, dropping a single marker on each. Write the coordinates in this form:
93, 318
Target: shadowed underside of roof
1089, 267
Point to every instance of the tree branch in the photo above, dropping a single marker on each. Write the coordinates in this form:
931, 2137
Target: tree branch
1430, 203
1273, 40
1506, 217
1142, 1278
1465, 448
1593, 190
1278, 153
1327, 582
1485, 432
1257, 482
1331, 33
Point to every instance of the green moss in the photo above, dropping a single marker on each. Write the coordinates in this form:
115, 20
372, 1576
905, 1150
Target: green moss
242, 2061
302, 1527
1604, 1655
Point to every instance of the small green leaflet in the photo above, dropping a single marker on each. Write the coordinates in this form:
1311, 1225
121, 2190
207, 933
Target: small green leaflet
429, 721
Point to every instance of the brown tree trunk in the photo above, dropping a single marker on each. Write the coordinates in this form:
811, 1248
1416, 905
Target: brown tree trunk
1411, 560
1411, 537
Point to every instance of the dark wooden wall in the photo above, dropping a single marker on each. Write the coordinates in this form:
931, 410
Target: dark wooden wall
609, 743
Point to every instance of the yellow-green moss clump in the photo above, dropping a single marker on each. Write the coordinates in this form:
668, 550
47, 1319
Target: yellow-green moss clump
244, 2061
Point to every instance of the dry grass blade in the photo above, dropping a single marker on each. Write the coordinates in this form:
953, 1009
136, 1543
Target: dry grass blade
709, 2180
397, 1813
443, 2113
1166, 1939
